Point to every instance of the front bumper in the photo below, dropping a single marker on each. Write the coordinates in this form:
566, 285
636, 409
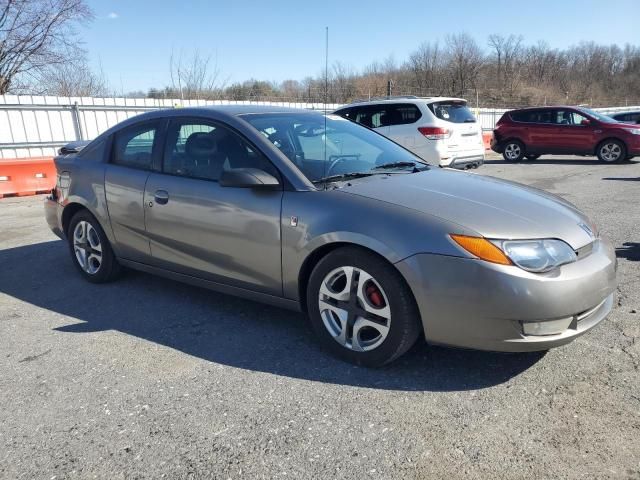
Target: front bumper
475, 304
53, 215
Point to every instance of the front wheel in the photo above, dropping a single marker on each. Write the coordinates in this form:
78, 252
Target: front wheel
90, 249
611, 151
360, 307
514, 151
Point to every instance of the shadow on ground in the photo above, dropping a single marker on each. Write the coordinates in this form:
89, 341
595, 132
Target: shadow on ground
228, 330
630, 251
623, 179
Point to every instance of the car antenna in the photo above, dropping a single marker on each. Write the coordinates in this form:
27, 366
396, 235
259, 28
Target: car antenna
326, 94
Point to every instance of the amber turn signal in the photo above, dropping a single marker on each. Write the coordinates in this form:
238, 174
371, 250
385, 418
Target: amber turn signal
482, 248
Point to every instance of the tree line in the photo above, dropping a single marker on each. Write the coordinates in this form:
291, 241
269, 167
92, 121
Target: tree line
504, 72
40, 53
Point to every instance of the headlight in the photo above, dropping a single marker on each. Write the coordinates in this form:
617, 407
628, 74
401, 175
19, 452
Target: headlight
532, 255
538, 255
635, 131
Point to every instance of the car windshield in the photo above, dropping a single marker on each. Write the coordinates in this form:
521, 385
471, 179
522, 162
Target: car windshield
598, 116
452, 111
341, 149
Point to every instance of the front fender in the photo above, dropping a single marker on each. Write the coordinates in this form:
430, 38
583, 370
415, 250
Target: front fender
313, 220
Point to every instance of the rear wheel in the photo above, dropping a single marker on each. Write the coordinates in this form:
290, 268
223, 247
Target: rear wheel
90, 249
611, 151
514, 151
361, 308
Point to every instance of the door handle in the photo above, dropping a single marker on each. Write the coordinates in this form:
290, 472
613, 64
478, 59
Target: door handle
161, 197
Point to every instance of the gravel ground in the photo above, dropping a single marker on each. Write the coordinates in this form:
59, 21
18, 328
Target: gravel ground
148, 378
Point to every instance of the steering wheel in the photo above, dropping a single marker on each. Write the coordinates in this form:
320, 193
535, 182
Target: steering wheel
335, 163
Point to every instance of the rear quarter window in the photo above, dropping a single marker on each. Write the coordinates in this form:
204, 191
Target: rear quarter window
452, 111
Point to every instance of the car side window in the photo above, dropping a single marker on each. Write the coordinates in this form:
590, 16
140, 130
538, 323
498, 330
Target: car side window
567, 117
133, 146
526, 116
577, 119
404, 114
203, 149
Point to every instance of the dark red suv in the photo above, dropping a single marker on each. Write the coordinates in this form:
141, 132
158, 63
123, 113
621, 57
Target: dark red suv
531, 132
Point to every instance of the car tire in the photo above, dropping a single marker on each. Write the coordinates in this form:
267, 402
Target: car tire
611, 151
513, 151
90, 249
532, 157
360, 281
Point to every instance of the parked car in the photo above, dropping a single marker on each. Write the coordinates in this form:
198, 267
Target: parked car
531, 132
627, 117
319, 214
442, 131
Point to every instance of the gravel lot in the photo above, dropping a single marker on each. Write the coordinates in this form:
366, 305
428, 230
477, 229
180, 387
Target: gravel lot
148, 378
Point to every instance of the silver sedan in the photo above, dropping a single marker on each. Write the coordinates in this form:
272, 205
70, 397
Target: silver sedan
315, 213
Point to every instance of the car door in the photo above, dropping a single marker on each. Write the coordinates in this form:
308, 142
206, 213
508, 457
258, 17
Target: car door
402, 128
133, 151
576, 133
199, 228
540, 131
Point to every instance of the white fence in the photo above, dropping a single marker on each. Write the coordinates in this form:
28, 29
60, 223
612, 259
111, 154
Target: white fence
36, 126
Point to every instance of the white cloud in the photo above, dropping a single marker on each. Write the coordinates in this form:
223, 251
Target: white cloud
113, 15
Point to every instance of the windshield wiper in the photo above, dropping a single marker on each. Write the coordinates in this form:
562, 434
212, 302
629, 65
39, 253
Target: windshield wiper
343, 176
394, 165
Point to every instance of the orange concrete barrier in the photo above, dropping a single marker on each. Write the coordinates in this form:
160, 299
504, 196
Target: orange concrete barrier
486, 138
26, 176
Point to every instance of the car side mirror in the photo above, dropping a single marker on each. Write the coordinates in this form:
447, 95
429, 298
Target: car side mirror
248, 178
585, 122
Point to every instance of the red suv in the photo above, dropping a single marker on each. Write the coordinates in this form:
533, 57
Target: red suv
531, 132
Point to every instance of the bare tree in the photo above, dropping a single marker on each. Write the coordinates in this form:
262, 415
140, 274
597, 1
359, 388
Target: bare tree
72, 80
343, 87
464, 59
426, 65
507, 54
35, 34
196, 76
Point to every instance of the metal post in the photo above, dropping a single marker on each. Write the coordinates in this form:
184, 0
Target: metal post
77, 125
388, 88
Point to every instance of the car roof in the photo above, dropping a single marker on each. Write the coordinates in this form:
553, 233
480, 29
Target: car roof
407, 99
234, 110
222, 112
547, 107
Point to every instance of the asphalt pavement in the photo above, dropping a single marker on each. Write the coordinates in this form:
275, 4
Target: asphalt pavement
149, 378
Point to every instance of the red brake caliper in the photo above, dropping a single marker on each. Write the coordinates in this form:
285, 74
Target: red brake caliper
374, 295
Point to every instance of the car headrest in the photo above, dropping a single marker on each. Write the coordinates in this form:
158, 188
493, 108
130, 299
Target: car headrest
200, 144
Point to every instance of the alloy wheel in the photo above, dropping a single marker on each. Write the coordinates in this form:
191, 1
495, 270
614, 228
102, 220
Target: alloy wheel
87, 247
354, 309
610, 152
512, 151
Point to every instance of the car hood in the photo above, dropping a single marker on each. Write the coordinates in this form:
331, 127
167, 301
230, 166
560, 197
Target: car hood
492, 207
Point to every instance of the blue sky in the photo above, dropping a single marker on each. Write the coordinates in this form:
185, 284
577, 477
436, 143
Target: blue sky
282, 39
